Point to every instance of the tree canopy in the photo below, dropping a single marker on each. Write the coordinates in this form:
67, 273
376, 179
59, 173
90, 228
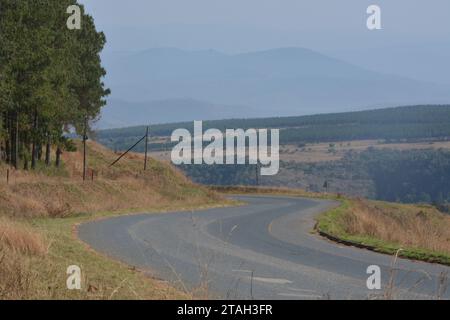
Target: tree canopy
50, 77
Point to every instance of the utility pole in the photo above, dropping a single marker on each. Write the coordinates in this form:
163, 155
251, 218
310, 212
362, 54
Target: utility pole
326, 184
84, 147
257, 174
146, 149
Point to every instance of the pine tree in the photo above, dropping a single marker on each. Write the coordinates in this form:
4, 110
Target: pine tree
50, 78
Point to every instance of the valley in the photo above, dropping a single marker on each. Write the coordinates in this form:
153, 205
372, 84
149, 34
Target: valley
362, 154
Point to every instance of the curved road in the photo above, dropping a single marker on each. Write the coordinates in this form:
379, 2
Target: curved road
262, 250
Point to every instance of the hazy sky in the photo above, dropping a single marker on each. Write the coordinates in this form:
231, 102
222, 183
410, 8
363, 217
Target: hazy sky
414, 41
241, 25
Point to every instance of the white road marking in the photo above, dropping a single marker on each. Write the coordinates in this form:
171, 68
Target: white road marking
261, 279
271, 280
301, 290
298, 295
234, 228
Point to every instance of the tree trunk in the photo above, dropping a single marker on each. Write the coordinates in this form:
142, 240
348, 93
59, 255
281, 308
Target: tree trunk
9, 140
15, 140
58, 157
34, 147
47, 152
33, 156
8, 151
25, 155
39, 152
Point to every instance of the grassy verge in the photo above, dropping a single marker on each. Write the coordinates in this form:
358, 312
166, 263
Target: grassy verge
420, 232
40, 210
35, 254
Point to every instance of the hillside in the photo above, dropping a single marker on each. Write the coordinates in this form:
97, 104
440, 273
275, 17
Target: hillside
381, 173
39, 212
384, 154
401, 123
61, 192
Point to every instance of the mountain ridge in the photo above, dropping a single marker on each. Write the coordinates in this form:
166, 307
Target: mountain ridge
284, 81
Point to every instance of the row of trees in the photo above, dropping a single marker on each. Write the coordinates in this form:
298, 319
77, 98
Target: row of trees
50, 79
406, 124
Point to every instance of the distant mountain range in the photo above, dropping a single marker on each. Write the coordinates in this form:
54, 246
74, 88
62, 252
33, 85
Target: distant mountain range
120, 113
170, 85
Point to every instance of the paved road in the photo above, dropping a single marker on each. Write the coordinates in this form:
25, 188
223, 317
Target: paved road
263, 250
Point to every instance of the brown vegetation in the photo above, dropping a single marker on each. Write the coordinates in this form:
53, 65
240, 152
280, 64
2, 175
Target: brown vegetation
124, 186
19, 245
38, 211
408, 225
21, 238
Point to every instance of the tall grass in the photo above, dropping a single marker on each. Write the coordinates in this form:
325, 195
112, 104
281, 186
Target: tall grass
421, 231
411, 226
53, 193
39, 208
19, 245
18, 237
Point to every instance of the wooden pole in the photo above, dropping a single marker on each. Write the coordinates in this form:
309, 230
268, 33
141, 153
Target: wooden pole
84, 148
146, 149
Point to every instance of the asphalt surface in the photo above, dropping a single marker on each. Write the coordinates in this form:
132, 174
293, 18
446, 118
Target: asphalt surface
262, 250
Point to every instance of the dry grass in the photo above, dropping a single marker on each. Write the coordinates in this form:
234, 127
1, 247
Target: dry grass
19, 237
410, 226
39, 209
19, 246
31, 268
60, 193
16, 276
420, 231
